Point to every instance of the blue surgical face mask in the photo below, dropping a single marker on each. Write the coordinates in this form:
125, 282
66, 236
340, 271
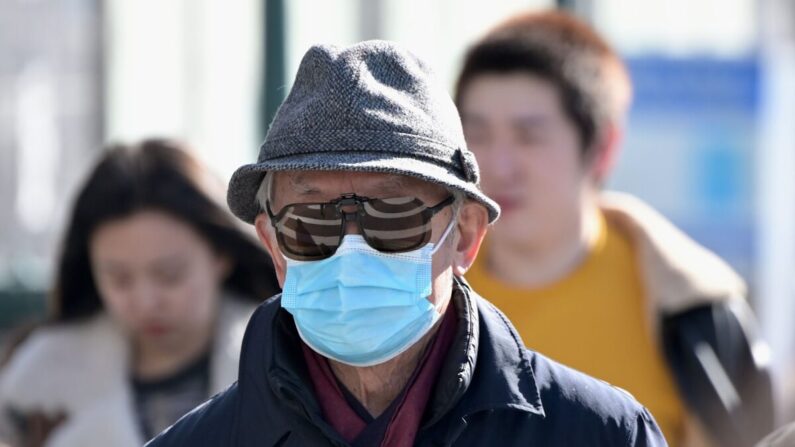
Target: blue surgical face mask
362, 307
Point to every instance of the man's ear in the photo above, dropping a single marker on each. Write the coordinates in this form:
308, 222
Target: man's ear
473, 219
268, 238
605, 152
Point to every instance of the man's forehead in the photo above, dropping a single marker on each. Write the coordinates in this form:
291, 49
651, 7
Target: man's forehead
329, 183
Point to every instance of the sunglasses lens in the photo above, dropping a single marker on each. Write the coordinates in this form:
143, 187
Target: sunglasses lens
309, 231
397, 224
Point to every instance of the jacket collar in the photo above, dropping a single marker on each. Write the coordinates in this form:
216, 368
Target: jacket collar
487, 367
286, 377
504, 378
678, 273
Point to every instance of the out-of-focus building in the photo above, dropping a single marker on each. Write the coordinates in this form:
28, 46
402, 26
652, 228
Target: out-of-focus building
51, 121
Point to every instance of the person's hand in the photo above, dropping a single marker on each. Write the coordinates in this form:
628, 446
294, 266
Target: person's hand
39, 426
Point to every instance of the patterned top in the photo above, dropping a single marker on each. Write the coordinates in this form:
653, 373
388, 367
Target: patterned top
161, 402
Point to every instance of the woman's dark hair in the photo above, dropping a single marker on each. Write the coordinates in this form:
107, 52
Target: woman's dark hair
153, 175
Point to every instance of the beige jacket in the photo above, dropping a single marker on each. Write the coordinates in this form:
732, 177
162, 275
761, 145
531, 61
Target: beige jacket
677, 272
81, 370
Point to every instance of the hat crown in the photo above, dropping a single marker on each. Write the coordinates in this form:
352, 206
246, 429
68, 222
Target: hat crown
372, 87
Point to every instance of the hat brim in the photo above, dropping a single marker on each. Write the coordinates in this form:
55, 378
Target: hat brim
246, 181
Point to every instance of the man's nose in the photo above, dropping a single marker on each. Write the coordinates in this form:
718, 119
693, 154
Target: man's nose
351, 223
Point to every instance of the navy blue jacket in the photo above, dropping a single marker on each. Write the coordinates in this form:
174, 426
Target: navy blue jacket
491, 391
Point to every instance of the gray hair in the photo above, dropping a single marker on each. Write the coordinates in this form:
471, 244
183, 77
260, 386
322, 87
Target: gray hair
264, 191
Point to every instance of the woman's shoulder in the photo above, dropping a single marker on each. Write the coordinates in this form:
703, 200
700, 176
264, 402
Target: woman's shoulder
236, 306
233, 317
65, 363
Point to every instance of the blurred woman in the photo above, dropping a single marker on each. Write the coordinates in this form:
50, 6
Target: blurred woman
154, 286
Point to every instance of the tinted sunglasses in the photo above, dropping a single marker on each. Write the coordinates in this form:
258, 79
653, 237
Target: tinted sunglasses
314, 231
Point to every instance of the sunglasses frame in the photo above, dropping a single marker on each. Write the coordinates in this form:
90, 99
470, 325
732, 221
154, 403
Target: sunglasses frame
346, 200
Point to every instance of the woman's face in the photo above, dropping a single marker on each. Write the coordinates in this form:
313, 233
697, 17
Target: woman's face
157, 277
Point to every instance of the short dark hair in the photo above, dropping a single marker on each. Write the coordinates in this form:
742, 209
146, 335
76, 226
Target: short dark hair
592, 81
156, 175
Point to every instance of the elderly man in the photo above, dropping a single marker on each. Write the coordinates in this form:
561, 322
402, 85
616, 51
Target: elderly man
368, 201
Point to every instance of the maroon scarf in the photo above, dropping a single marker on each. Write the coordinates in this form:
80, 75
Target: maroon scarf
407, 415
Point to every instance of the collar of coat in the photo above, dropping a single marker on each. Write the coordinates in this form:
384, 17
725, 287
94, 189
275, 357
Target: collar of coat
678, 273
81, 369
503, 380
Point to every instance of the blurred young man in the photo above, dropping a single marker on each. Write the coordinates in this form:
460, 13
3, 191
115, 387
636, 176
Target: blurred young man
599, 281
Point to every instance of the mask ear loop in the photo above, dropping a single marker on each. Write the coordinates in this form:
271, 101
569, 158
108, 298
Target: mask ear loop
447, 231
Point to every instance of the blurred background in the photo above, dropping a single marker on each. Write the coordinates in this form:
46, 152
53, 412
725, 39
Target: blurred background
711, 139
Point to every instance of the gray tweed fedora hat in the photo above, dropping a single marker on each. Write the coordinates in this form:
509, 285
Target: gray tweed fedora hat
371, 107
